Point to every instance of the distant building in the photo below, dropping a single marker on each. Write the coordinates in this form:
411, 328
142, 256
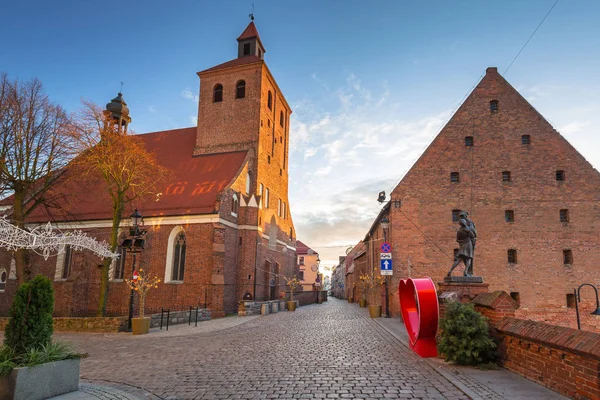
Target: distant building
534, 200
308, 264
221, 228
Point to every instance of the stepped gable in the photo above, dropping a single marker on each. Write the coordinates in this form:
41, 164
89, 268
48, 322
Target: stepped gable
192, 187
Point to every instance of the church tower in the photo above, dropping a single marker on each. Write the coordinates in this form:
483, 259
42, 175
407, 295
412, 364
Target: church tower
118, 113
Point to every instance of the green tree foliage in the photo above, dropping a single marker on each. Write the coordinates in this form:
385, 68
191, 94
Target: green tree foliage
465, 337
30, 325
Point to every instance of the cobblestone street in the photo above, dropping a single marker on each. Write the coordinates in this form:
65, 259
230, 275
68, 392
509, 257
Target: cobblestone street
319, 351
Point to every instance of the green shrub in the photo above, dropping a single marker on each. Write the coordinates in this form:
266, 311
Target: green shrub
465, 337
36, 356
30, 325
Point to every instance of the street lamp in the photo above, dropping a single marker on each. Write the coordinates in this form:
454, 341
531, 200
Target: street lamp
132, 244
385, 224
578, 300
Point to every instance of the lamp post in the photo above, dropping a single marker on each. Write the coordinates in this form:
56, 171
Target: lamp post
578, 300
132, 244
385, 223
318, 281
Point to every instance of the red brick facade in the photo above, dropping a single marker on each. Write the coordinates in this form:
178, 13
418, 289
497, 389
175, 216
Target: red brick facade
235, 244
507, 158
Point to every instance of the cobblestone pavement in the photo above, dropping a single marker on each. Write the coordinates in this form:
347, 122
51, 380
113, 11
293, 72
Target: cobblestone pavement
331, 350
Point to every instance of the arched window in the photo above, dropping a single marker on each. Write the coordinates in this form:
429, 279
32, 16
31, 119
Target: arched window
176, 252
179, 257
218, 93
234, 204
270, 100
3, 279
281, 118
240, 90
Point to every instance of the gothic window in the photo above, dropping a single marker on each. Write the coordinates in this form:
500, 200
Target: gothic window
455, 215
67, 264
179, 257
3, 279
267, 197
494, 106
512, 256
564, 215
281, 118
525, 139
454, 177
505, 176
560, 175
218, 93
120, 264
270, 100
567, 257
509, 216
469, 141
240, 90
234, 205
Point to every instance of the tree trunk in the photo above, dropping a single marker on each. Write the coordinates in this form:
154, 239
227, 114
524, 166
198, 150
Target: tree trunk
114, 237
21, 260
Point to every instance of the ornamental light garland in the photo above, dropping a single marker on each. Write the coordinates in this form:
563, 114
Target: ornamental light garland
46, 240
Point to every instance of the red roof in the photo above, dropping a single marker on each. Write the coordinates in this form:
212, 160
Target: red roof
234, 63
192, 187
249, 32
301, 248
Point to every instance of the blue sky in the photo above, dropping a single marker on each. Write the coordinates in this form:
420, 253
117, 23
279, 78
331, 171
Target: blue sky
370, 83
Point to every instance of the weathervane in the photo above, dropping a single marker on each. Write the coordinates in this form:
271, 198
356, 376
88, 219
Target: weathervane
252, 13
121, 91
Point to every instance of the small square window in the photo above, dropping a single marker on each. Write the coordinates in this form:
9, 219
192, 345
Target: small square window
512, 256
301, 260
509, 216
571, 300
494, 106
454, 177
560, 175
564, 215
567, 257
505, 176
525, 139
468, 141
455, 215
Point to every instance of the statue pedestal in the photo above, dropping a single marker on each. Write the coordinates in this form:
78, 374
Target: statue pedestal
465, 287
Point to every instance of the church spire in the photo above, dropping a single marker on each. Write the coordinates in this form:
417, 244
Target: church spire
249, 43
118, 113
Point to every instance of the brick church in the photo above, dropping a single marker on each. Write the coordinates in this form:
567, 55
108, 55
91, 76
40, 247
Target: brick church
221, 228
534, 199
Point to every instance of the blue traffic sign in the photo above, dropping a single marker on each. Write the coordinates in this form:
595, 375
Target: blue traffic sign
386, 265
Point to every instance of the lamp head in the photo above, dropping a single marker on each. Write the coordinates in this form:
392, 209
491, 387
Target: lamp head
136, 218
381, 197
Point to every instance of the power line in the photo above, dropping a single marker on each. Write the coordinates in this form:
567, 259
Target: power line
527, 42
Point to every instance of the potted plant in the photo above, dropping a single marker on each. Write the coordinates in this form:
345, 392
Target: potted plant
293, 283
32, 366
374, 282
363, 285
141, 283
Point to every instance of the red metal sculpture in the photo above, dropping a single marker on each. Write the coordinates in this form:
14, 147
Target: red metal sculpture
420, 312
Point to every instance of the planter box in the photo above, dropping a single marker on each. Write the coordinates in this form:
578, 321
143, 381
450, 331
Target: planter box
40, 382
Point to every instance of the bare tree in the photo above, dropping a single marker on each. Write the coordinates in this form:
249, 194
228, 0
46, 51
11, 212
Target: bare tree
36, 144
128, 169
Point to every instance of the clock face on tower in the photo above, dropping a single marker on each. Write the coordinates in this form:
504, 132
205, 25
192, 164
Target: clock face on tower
314, 268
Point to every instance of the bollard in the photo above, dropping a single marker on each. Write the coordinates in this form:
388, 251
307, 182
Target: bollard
190, 317
196, 317
168, 317
162, 310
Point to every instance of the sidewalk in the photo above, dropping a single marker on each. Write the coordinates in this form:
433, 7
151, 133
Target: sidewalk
477, 384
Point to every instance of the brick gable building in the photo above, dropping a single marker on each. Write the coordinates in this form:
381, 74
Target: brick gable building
533, 197
219, 229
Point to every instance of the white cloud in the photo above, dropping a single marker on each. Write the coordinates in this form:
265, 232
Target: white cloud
193, 120
187, 94
573, 127
152, 109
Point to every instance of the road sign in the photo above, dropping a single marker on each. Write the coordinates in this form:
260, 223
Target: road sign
386, 267
385, 256
386, 247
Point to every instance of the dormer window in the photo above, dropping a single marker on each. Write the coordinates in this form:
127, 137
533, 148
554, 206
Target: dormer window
240, 90
218, 93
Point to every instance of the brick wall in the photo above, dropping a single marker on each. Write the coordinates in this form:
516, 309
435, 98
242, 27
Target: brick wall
563, 359
424, 236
